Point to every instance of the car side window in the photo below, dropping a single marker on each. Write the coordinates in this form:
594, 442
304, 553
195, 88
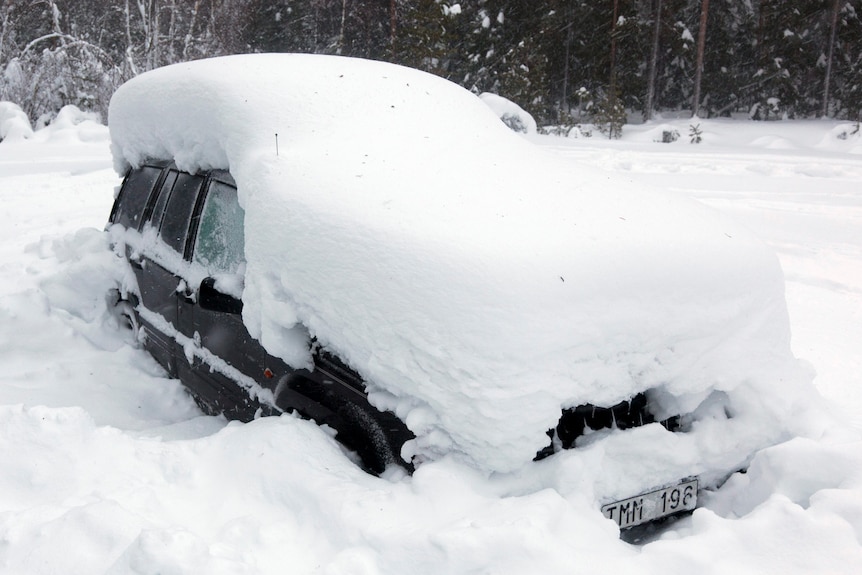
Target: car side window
134, 196
178, 211
220, 246
162, 199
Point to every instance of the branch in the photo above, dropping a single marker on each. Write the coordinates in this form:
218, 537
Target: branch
42, 39
72, 41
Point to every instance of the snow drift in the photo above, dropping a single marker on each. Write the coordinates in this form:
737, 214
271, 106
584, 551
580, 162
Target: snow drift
108, 467
511, 114
14, 123
479, 284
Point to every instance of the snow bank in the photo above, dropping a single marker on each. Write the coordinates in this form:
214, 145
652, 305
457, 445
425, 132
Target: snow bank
14, 123
109, 468
74, 124
478, 283
70, 125
513, 115
778, 135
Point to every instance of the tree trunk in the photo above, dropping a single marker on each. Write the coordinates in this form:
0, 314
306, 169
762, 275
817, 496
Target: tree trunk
3, 29
612, 92
564, 97
155, 28
341, 29
701, 45
836, 5
130, 59
172, 34
55, 21
656, 33
187, 41
393, 19
613, 80
761, 27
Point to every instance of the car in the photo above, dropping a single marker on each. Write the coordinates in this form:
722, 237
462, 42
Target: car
368, 246
195, 332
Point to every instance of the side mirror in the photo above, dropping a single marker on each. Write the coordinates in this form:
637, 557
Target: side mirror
210, 299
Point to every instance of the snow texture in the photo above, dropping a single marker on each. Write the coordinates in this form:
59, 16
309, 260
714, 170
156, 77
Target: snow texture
14, 124
478, 283
510, 113
109, 468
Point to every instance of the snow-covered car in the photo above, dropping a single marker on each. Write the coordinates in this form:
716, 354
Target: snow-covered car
369, 246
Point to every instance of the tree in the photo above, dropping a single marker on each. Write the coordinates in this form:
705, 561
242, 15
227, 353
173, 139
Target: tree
701, 46
836, 4
846, 76
773, 57
656, 37
54, 67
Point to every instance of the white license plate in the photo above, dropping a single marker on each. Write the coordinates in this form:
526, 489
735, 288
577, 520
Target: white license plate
653, 505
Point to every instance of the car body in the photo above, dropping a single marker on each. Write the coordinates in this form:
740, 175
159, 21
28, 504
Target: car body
187, 236
370, 247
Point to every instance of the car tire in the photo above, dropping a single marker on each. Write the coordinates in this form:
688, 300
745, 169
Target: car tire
123, 312
360, 431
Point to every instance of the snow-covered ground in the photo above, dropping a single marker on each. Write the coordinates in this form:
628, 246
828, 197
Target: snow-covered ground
108, 467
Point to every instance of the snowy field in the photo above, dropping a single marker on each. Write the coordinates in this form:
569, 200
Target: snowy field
108, 467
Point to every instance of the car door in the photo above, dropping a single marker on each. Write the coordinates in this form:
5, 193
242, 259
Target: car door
161, 284
156, 204
225, 360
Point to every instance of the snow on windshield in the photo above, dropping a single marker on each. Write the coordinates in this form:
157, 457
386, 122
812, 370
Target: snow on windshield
477, 283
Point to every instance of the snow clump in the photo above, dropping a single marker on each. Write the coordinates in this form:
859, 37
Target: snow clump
14, 124
510, 113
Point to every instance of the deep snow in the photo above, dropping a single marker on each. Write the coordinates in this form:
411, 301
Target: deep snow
479, 284
109, 468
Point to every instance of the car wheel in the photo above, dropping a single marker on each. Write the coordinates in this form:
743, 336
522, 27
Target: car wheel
361, 432
124, 313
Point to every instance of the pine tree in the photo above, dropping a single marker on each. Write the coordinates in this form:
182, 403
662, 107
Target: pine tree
846, 77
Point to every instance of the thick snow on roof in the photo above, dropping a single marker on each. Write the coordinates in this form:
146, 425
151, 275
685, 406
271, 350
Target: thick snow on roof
478, 283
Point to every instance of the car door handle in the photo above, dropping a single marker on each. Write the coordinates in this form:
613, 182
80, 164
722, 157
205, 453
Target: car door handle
189, 295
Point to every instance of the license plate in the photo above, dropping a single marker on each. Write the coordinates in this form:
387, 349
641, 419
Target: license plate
653, 505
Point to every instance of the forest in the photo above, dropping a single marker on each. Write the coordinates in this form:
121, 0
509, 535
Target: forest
565, 61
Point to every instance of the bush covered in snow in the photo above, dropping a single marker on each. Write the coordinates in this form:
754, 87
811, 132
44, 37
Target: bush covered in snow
514, 116
14, 124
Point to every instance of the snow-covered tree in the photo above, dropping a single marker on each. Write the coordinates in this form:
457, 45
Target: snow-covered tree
772, 57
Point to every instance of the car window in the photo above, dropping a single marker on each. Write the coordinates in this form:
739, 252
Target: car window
161, 201
178, 211
134, 196
220, 246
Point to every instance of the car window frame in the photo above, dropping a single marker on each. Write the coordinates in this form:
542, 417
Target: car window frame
221, 176
183, 231
146, 214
